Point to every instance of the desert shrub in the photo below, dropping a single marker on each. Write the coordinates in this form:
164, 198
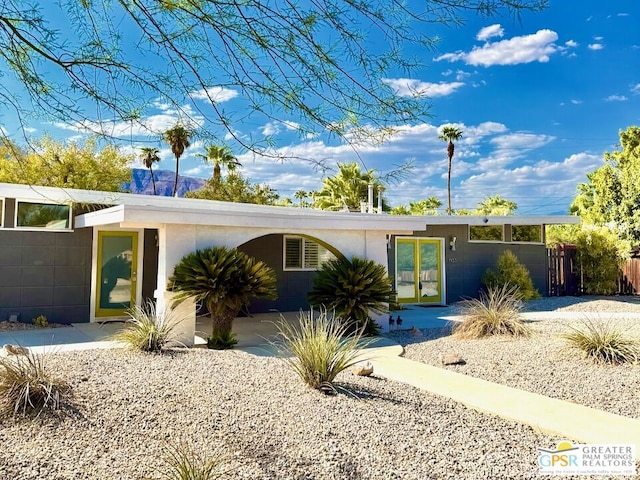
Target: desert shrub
318, 348
225, 280
40, 321
353, 289
222, 341
495, 312
27, 387
184, 463
603, 342
511, 272
148, 329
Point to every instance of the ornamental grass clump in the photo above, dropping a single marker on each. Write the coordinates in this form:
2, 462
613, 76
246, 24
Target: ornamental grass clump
319, 347
27, 387
603, 342
149, 329
184, 463
496, 312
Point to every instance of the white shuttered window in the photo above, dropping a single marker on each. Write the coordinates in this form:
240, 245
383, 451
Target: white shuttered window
304, 254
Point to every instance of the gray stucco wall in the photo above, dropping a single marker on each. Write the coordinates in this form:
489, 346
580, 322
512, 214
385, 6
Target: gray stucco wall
45, 273
465, 266
292, 286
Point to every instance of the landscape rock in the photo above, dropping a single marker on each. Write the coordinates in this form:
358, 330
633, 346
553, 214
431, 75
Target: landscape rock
363, 369
9, 349
453, 359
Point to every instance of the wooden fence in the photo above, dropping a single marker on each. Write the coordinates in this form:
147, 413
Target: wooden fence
564, 273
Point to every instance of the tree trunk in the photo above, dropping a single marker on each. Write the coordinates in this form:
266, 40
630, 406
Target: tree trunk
222, 324
175, 183
449, 211
153, 181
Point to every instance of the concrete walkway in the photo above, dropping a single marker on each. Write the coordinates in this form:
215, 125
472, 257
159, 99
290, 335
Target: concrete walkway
565, 419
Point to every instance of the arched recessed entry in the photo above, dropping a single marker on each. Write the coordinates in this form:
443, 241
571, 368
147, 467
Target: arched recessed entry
293, 284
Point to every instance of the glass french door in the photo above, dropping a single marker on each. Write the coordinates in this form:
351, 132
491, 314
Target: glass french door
116, 273
419, 270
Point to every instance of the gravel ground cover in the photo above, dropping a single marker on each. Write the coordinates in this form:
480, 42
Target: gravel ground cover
127, 407
542, 363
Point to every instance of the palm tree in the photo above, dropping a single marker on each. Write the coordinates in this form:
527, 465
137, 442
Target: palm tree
449, 134
496, 205
346, 189
225, 280
301, 195
149, 156
220, 157
178, 139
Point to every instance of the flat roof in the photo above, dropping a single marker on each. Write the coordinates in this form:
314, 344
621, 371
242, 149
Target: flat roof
134, 208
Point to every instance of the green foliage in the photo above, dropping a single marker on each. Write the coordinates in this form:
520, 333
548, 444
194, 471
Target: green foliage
235, 188
148, 329
511, 272
611, 196
428, 206
225, 280
496, 205
179, 139
347, 188
40, 321
600, 255
496, 312
603, 342
27, 387
353, 289
319, 348
220, 157
72, 165
222, 341
184, 463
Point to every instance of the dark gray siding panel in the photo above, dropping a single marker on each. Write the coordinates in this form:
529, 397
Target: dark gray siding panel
150, 264
465, 266
292, 286
45, 273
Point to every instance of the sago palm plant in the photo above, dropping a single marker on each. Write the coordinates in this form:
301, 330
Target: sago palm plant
224, 280
353, 289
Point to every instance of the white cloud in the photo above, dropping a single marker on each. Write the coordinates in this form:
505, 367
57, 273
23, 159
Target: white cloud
622, 14
636, 89
489, 32
595, 46
571, 43
216, 94
536, 47
598, 39
409, 87
576, 102
616, 98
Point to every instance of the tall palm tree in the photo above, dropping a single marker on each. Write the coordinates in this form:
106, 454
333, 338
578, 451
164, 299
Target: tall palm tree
149, 156
178, 139
220, 157
347, 188
450, 134
301, 195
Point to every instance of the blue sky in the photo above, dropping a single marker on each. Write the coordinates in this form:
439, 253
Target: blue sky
539, 100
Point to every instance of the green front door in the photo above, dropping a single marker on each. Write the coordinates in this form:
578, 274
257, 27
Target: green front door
419, 270
116, 273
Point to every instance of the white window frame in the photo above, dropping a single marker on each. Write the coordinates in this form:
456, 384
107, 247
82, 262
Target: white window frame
539, 242
303, 241
485, 241
41, 229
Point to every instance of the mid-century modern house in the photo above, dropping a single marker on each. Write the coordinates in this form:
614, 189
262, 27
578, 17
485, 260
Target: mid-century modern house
86, 256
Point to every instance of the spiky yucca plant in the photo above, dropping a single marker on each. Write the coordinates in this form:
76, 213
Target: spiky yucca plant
318, 348
148, 329
603, 342
27, 387
225, 280
496, 312
184, 463
353, 289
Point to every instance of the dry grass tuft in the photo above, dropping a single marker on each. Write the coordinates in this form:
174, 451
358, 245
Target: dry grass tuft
26, 387
184, 463
147, 329
496, 312
603, 342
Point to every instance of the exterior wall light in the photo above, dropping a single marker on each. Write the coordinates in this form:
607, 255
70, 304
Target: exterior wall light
452, 243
